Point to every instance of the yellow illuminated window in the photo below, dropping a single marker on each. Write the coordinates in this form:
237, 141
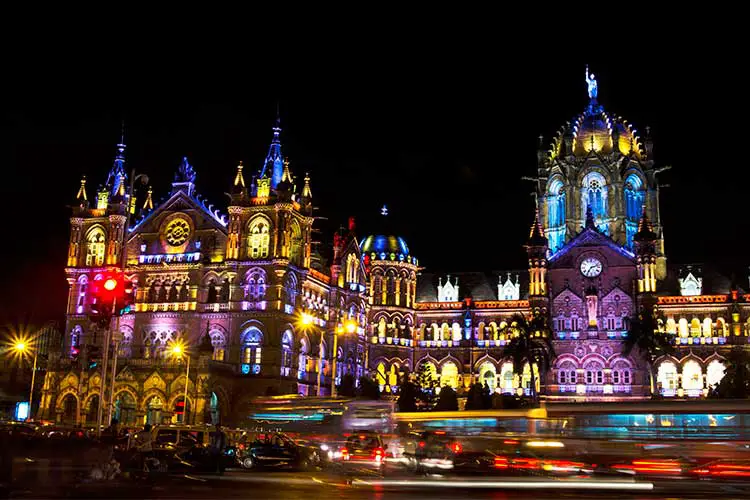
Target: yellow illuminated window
95, 246
259, 239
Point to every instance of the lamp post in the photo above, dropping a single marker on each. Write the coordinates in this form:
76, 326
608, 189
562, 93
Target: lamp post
179, 350
350, 327
22, 347
306, 322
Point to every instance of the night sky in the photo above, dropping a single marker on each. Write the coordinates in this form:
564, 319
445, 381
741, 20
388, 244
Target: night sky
442, 139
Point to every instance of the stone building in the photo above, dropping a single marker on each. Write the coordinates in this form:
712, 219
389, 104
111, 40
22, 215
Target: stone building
247, 293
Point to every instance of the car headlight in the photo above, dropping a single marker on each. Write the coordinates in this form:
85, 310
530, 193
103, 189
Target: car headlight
324, 447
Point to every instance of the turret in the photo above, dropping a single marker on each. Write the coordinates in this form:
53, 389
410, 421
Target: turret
645, 250
537, 249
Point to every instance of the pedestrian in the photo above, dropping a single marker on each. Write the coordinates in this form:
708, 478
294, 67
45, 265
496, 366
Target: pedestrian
143, 444
218, 445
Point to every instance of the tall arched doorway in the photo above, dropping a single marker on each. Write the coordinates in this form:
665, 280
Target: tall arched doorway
69, 407
215, 409
92, 410
154, 408
125, 409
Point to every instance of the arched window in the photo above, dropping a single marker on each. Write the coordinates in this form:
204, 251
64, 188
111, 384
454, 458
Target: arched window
258, 239
683, 327
393, 375
555, 214
377, 292
287, 341
707, 327
352, 268
290, 286
595, 196
667, 376
671, 326
126, 342
255, 285
297, 248
456, 329
390, 297
219, 343
95, 247
692, 375
488, 375
304, 349
75, 339
446, 332
507, 378
449, 375
634, 196
380, 374
714, 373
566, 373
252, 342
594, 373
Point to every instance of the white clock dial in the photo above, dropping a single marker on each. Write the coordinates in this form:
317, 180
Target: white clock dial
591, 267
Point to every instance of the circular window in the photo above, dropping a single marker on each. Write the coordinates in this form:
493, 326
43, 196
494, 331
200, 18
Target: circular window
177, 232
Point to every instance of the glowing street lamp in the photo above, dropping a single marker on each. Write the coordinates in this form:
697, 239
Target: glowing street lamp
178, 350
306, 321
22, 348
350, 326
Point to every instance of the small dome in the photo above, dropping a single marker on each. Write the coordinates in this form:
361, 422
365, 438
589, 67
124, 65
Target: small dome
379, 243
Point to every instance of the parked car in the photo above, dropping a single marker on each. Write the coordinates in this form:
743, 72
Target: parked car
274, 449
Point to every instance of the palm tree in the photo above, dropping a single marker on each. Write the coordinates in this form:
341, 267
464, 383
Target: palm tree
528, 342
644, 334
736, 380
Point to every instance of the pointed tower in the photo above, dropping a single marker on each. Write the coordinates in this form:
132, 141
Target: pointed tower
81, 197
306, 199
273, 166
238, 212
149, 203
117, 176
537, 249
645, 241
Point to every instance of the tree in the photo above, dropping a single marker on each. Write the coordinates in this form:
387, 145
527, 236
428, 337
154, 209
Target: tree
529, 342
407, 396
644, 334
347, 387
426, 384
368, 388
476, 397
448, 400
736, 381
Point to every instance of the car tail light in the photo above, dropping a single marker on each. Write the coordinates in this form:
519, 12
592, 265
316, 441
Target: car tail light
501, 462
241, 446
455, 447
421, 444
344, 454
379, 454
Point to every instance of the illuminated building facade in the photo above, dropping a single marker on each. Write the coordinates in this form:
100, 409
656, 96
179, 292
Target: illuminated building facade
233, 287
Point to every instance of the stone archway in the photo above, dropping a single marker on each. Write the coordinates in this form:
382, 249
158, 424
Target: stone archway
69, 410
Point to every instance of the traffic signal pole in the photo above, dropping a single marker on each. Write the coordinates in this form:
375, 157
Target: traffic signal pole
105, 359
114, 369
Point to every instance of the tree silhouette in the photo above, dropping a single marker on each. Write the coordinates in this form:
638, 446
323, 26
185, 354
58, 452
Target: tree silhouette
528, 342
448, 400
651, 343
736, 381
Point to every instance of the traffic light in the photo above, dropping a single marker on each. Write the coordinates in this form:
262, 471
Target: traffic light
111, 294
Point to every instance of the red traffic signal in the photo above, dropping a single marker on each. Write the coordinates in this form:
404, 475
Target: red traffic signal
111, 294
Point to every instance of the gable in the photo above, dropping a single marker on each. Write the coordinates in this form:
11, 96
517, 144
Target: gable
587, 240
567, 303
203, 216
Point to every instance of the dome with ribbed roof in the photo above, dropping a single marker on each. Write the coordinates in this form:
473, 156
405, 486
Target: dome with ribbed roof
379, 243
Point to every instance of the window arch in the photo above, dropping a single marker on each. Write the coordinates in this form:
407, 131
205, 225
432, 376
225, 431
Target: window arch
95, 247
290, 285
255, 285
287, 341
252, 345
352, 268
566, 373
594, 371
683, 327
667, 376
692, 375
258, 239
302, 359
488, 375
219, 343
126, 342
714, 373
634, 196
296, 247
556, 214
449, 375
507, 378
595, 196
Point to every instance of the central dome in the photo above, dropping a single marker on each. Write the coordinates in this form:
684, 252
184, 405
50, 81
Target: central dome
379, 243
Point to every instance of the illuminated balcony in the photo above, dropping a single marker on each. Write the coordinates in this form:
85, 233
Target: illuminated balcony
394, 341
170, 258
165, 306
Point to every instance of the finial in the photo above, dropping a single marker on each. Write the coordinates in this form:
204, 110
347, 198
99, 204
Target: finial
239, 180
286, 175
122, 132
82, 191
384, 210
186, 172
536, 235
306, 192
149, 203
591, 82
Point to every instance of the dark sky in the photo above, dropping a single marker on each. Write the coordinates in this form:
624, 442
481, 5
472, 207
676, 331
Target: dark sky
442, 138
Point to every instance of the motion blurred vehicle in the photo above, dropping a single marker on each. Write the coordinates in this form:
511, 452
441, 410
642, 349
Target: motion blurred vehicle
735, 469
273, 449
180, 438
364, 450
656, 466
439, 451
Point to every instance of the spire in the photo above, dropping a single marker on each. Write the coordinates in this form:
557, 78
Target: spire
81, 196
590, 218
645, 231
274, 164
184, 178
536, 235
286, 175
306, 192
239, 180
149, 203
117, 173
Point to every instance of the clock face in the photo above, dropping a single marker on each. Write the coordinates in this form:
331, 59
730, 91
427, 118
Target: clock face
591, 267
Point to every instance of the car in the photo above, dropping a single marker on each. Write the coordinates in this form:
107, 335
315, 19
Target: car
274, 449
440, 451
729, 468
364, 450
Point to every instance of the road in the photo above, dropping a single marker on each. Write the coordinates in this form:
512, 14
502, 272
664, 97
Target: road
330, 485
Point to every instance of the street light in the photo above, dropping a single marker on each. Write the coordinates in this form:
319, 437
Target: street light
350, 326
306, 322
23, 347
179, 349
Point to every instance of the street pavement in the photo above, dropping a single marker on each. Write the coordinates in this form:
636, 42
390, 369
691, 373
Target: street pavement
333, 484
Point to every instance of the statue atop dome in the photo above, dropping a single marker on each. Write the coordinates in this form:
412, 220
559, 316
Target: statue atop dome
591, 82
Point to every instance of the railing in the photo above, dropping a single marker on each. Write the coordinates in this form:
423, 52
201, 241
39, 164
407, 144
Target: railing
701, 341
165, 306
490, 343
693, 299
215, 307
396, 341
